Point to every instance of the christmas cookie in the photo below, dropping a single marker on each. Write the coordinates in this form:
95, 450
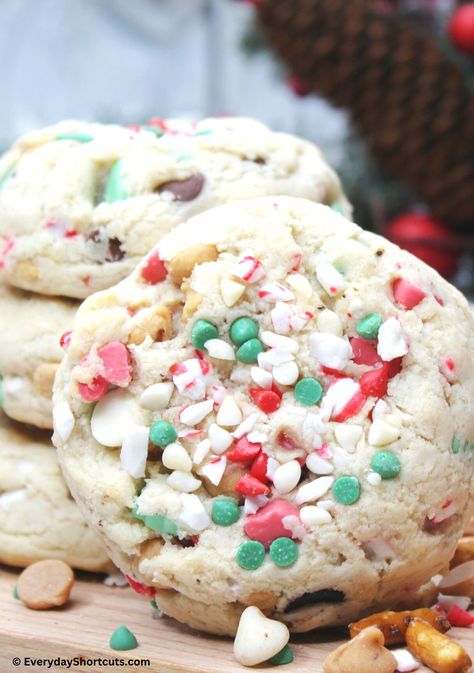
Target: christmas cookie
80, 204
33, 328
298, 434
38, 518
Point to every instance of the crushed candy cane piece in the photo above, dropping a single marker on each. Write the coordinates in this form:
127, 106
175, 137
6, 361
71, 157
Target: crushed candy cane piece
405, 661
154, 270
201, 451
243, 451
193, 515
195, 413
63, 420
406, 294
279, 341
249, 269
273, 358
214, 470
342, 400
329, 350
329, 277
246, 426
456, 616
253, 504
248, 485
190, 377
281, 317
134, 451
273, 292
392, 340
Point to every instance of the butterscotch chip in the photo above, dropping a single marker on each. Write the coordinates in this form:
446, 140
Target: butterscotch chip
182, 264
43, 378
45, 584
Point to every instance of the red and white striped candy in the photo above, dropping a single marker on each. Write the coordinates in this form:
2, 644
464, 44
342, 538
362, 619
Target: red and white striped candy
249, 269
273, 292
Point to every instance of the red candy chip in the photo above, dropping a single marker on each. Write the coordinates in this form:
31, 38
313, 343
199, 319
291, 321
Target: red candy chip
141, 589
352, 408
259, 467
406, 294
65, 339
154, 271
365, 351
458, 617
267, 524
116, 360
267, 401
95, 391
394, 367
243, 451
250, 486
374, 383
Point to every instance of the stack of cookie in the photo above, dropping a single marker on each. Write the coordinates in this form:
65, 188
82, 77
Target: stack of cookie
80, 204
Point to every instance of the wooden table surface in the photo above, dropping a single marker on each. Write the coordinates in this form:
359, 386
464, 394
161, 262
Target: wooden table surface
84, 626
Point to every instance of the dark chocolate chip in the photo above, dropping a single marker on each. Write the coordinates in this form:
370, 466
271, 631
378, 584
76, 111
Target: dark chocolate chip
184, 190
260, 160
115, 252
95, 236
315, 597
108, 249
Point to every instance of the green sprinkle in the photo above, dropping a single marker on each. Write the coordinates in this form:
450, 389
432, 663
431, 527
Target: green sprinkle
154, 604
78, 137
162, 434
336, 206
201, 332
308, 391
160, 524
249, 351
283, 552
456, 444
123, 639
284, 656
15, 593
250, 555
368, 327
338, 266
242, 330
114, 189
386, 464
225, 512
346, 490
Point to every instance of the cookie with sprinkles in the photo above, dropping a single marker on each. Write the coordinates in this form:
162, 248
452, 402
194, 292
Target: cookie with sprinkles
34, 334
38, 518
301, 440
81, 203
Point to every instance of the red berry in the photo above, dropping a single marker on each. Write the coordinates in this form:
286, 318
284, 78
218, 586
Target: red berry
259, 467
365, 351
374, 383
243, 451
250, 486
461, 28
154, 271
406, 294
458, 617
267, 401
141, 589
95, 391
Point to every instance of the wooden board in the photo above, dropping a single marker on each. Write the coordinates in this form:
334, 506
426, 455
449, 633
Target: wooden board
83, 628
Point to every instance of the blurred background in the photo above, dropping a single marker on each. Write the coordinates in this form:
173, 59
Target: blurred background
384, 87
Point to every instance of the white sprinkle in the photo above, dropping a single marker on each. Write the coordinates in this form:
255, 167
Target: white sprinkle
229, 413
214, 470
273, 292
111, 417
405, 661
157, 396
281, 318
287, 476
313, 516
313, 490
201, 451
348, 436
330, 278
300, 285
273, 358
374, 478
134, 451
331, 351
272, 466
195, 413
231, 291
278, 341
381, 433
193, 515
318, 465
286, 374
11, 498
175, 457
380, 409
253, 504
257, 437
219, 439
246, 426
329, 323
392, 340
261, 377
63, 420
183, 481
220, 349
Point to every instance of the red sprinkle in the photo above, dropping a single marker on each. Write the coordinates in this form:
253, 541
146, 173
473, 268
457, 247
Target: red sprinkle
65, 339
116, 360
243, 451
250, 486
374, 383
71, 233
458, 617
154, 271
259, 467
141, 589
267, 401
406, 294
95, 391
365, 351
267, 524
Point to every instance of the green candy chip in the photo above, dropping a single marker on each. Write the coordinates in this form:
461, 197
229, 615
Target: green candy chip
78, 137
242, 330
162, 434
308, 391
284, 656
249, 351
123, 639
346, 490
156, 522
456, 444
201, 332
225, 512
368, 327
250, 555
283, 552
15, 593
386, 464
114, 188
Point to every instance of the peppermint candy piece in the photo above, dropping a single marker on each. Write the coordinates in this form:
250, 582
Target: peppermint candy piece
195, 413
273, 292
134, 451
330, 350
329, 277
63, 420
249, 269
193, 514
392, 340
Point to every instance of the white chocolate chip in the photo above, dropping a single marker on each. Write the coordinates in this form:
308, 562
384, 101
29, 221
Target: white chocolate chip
272, 467
348, 436
286, 374
279, 341
318, 465
374, 478
258, 638
183, 481
313, 490
405, 661
380, 409
281, 317
10, 499
63, 420
111, 417
134, 451
175, 457
220, 349
381, 433
331, 351
257, 437
231, 291
193, 515
195, 413
261, 377
220, 439
273, 358
300, 285
329, 323
287, 476
229, 413
157, 396
329, 277
246, 426
326, 504
313, 516
201, 451
214, 470
392, 340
